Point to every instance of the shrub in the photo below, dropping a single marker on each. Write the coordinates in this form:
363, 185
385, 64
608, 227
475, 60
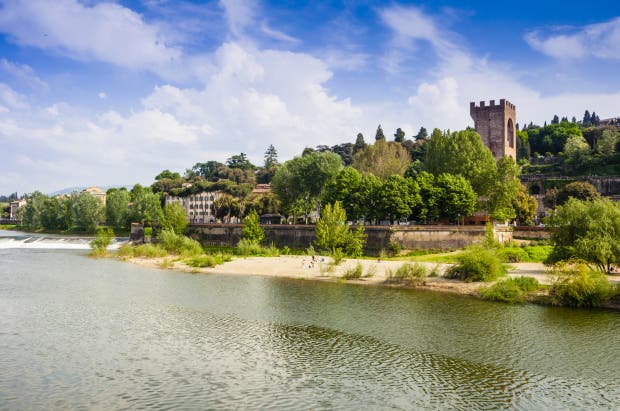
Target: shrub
408, 272
372, 270
101, 241
353, 273
149, 251
338, 256
477, 264
252, 230
178, 244
578, 286
538, 253
513, 255
395, 248
512, 290
202, 261
249, 247
126, 251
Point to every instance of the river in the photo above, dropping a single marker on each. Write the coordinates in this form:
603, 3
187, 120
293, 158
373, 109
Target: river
80, 333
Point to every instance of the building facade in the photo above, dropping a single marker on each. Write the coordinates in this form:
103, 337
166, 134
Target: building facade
15, 206
199, 208
496, 124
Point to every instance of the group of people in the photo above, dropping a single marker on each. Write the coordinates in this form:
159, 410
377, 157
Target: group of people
311, 263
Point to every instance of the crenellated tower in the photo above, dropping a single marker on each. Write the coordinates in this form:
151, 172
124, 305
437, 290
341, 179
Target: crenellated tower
496, 125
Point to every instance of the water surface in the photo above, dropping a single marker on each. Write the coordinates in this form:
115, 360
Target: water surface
78, 333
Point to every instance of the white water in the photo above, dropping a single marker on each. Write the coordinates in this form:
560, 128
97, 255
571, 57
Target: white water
13, 239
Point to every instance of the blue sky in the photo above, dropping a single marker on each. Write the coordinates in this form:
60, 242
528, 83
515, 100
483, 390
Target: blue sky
99, 93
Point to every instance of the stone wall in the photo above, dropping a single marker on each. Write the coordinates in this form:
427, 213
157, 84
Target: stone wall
531, 233
496, 124
438, 237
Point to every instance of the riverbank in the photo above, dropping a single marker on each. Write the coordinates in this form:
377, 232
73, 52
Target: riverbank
374, 272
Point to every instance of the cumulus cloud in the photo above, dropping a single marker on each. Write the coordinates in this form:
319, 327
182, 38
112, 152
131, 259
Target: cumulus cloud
12, 99
21, 74
600, 40
105, 32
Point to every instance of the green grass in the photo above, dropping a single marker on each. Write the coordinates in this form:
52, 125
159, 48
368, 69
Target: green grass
411, 273
512, 290
8, 227
208, 260
149, 251
353, 273
477, 264
252, 248
525, 254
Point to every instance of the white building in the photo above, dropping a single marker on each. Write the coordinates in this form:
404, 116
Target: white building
15, 206
199, 208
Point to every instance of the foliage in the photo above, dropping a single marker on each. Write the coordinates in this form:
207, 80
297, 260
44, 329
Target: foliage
146, 206
86, 212
530, 253
587, 230
167, 174
577, 286
149, 251
357, 239
398, 197
208, 260
117, 208
333, 233
102, 240
379, 134
345, 188
353, 273
504, 189
512, 290
395, 248
240, 161
248, 247
300, 181
461, 153
252, 230
382, 159
524, 205
413, 273
455, 196
580, 190
337, 256
178, 244
174, 218
476, 264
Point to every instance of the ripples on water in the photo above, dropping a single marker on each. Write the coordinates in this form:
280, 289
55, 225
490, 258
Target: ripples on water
82, 334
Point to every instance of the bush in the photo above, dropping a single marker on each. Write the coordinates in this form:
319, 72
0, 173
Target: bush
353, 273
178, 244
408, 272
338, 256
126, 251
513, 255
202, 261
538, 253
512, 290
249, 247
478, 264
578, 286
103, 239
395, 248
149, 251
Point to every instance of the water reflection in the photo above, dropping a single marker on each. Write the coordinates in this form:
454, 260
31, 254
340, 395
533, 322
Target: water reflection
79, 333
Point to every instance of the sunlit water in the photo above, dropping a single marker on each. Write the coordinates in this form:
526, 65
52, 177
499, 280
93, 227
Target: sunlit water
78, 333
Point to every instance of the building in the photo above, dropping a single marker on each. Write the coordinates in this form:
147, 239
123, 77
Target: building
199, 208
496, 124
96, 192
15, 206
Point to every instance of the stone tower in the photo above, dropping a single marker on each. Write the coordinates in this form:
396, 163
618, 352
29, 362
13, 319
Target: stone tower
496, 125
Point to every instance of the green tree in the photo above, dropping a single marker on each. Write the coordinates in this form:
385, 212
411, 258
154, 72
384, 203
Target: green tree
506, 184
399, 197
303, 179
174, 218
457, 199
117, 208
607, 143
525, 206
252, 230
581, 190
379, 134
587, 230
240, 161
399, 136
345, 188
331, 229
382, 159
86, 212
167, 174
31, 214
271, 157
360, 144
461, 153
146, 206
422, 134
429, 209
208, 170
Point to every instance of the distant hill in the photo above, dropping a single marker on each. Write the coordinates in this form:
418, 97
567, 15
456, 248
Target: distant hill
70, 190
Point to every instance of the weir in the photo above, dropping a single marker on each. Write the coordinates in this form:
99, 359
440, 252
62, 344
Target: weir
52, 243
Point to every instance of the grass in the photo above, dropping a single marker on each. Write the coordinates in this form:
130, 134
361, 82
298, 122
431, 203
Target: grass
253, 248
512, 290
353, 273
525, 254
178, 244
8, 226
410, 273
477, 264
208, 260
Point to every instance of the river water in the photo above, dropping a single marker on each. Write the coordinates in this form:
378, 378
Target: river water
79, 333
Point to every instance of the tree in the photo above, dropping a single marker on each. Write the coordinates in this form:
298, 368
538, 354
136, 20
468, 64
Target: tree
86, 212
457, 199
331, 230
588, 230
31, 214
399, 136
304, 179
422, 134
146, 206
359, 143
576, 146
579, 190
501, 196
586, 118
252, 230
271, 157
556, 119
431, 195
398, 198
240, 161
167, 174
117, 208
174, 218
382, 159
525, 206
208, 170
379, 134
461, 153
606, 145
345, 188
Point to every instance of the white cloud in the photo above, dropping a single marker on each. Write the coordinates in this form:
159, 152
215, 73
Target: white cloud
276, 34
104, 32
12, 99
600, 40
22, 74
239, 14
102, 95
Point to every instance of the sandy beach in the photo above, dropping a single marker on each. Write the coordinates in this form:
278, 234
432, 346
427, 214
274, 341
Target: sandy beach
375, 272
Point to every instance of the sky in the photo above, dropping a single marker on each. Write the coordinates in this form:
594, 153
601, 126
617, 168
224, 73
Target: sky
113, 92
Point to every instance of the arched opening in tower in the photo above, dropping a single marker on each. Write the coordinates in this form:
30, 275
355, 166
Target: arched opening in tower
510, 131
